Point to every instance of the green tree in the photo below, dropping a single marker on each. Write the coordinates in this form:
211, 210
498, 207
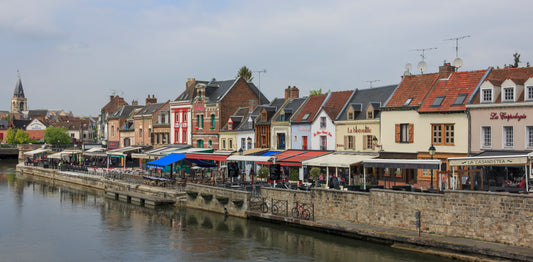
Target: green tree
245, 73
294, 175
263, 172
317, 92
516, 62
57, 135
18, 136
315, 173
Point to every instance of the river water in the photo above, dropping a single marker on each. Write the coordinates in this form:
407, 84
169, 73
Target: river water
44, 221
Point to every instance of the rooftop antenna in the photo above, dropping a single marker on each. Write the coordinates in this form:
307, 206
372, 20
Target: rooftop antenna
457, 43
371, 81
422, 65
259, 82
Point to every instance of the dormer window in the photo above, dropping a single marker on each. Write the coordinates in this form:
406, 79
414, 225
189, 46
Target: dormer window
508, 94
529, 92
350, 116
282, 117
438, 101
263, 117
306, 116
408, 101
486, 95
370, 114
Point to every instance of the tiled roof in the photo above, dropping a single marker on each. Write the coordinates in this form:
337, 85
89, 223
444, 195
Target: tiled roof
336, 102
291, 107
363, 97
311, 107
459, 83
149, 109
513, 73
238, 118
414, 87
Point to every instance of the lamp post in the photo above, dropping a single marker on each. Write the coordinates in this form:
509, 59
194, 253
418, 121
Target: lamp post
431, 151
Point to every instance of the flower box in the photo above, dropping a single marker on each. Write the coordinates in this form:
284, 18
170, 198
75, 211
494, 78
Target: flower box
237, 202
192, 194
207, 196
222, 199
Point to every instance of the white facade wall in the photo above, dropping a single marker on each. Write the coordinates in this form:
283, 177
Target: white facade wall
317, 132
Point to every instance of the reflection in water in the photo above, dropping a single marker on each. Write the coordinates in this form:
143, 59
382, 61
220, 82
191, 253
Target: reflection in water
63, 222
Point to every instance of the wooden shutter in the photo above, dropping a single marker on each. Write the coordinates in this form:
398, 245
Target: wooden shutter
411, 133
346, 146
397, 133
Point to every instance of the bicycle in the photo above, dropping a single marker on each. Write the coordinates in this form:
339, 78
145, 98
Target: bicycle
264, 206
300, 211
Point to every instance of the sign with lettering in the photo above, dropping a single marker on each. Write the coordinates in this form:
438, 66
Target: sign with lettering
199, 107
355, 129
506, 116
500, 161
323, 132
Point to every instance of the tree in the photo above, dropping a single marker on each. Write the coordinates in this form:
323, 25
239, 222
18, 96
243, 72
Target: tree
317, 92
245, 73
264, 172
57, 135
516, 59
18, 137
314, 173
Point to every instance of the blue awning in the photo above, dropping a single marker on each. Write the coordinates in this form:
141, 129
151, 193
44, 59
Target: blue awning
269, 153
165, 161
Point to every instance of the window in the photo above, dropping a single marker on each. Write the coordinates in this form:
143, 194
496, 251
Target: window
263, 117
486, 95
213, 121
370, 115
350, 116
197, 121
201, 121
141, 132
508, 136
223, 143
184, 136
486, 136
112, 131
529, 132
323, 122
304, 143
367, 142
282, 117
281, 141
210, 143
529, 92
442, 134
176, 136
184, 117
460, 99
323, 143
200, 143
438, 101
306, 116
243, 143
508, 94
404, 133
349, 142
230, 142
408, 101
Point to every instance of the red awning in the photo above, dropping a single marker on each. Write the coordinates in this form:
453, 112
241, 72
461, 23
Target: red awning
208, 156
294, 157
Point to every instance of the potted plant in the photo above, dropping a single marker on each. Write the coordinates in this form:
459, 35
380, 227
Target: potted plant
237, 202
263, 172
315, 173
192, 193
207, 196
222, 199
398, 173
294, 175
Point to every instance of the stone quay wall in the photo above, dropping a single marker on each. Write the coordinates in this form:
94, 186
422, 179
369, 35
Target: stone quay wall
495, 217
196, 200
101, 183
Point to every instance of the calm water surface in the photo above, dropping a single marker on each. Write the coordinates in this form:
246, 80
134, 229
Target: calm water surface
43, 221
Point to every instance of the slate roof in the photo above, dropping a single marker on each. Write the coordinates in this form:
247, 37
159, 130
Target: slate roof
414, 87
459, 83
190, 91
19, 91
336, 102
124, 112
271, 109
376, 96
35, 113
311, 107
149, 109
238, 118
290, 108
20, 124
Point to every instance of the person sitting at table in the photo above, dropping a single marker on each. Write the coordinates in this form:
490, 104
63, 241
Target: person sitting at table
522, 184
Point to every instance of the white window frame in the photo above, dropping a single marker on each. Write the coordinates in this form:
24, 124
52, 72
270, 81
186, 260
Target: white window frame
529, 137
504, 98
483, 134
504, 137
529, 93
482, 95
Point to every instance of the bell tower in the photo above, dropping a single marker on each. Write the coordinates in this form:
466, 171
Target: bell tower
18, 102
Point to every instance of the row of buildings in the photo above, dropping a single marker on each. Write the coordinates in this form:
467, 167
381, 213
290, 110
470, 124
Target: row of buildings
460, 114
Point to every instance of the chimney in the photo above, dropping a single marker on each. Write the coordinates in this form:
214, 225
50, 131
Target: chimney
291, 93
151, 100
111, 97
134, 103
252, 104
191, 82
446, 70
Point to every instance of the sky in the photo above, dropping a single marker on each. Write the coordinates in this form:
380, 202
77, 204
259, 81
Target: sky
74, 54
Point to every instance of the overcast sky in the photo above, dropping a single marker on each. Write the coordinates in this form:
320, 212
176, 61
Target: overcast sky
73, 55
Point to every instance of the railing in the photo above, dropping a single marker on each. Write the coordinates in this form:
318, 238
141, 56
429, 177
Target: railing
279, 207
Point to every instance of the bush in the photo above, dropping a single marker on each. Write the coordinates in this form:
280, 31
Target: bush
314, 173
294, 176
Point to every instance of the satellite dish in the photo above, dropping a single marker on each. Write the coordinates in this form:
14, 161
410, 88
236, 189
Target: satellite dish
408, 66
458, 62
422, 66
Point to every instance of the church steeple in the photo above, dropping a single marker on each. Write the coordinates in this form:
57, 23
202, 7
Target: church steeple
19, 101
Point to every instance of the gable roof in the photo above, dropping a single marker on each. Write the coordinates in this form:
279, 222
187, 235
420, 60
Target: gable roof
336, 102
271, 109
311, 107
414, 87
149, 109
237, 118
114, 104
459, 83
497, 76
20, 124
124, 112
290, 108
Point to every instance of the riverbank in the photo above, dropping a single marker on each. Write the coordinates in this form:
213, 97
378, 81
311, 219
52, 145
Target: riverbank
338, 212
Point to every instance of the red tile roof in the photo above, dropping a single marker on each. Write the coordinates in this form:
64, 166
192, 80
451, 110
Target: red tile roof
312, 106
513, 73
458, 83
412, 86
336, 102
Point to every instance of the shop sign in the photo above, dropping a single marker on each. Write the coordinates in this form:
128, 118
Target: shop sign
355, 129
489, 161
323, 132
199, 107
506, 116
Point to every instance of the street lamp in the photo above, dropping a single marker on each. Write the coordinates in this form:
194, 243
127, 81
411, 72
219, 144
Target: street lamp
431, 151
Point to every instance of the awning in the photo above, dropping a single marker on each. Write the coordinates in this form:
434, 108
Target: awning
55, 156
337, 160
38, 151
510, 160
269, 153
96, 149
119, 152
294, 157
249, 158
165, 161
255, 151
216, 156
403, 163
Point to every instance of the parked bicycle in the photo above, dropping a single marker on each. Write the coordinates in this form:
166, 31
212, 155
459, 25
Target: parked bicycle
300, 211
